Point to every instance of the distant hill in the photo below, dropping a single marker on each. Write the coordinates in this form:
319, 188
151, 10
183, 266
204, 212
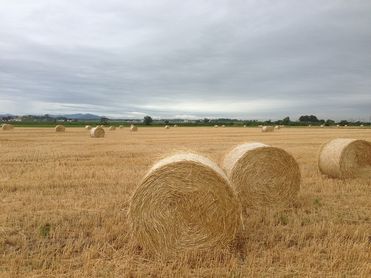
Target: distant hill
78, 116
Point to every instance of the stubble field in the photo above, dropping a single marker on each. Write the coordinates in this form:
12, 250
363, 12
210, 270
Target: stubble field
64, 200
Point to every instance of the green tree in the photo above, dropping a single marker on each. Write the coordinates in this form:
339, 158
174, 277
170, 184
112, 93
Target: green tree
286, 121
147, 120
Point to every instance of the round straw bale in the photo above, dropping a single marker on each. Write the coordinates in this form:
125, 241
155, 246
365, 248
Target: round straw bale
167, 127
361, 125
216, 126
7, 127
267, 129
262, 175
60, 128
322, 126
337, 126
184, 202
88, 127
133, 128
97, 132
175, 125
112, 127
277, 127
244, 125
345, 158
121, 126
223, 125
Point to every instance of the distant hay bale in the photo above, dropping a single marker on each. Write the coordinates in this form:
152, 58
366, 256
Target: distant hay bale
262, 175
133, 128
337, 126
88, 127
97, 132
277, 127
121, 126
361, 125
60, 128
7, 127
184, 202
244, 125
345, 158
322, 126
167, 127
175, 125
345, 125
223, 125
267, 129
216, 126
309, 125
112, 128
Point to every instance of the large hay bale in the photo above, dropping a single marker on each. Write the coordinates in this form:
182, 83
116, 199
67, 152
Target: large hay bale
345, 158
184, 203
7, 127
97, 132
167, 127
60, 128
262, 175
277, 127
112, 128
267, 129
88, 127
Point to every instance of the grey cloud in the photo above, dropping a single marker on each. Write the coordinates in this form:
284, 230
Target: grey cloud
195, 58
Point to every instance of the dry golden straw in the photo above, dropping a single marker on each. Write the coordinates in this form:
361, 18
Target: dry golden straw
345, 158
216, 126
112, 128
7, 127
167, 127
267, 129
262, 175
175, 125
88, 127
97, 132
277, 127
121, 126
60, 128
133, 128
184, 203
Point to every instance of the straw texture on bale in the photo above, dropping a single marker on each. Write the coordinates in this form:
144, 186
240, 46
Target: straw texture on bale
184, 202
112, 128
133, 128
7, 127
345, 158
267, 129
97, 132
60, 128
88, 127
262, 175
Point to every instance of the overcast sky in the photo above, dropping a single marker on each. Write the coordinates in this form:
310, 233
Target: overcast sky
246, 59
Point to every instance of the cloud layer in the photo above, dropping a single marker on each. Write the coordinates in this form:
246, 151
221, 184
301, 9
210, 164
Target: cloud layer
246, 59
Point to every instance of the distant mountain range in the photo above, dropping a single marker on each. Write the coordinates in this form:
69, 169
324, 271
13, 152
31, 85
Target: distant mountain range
78, 116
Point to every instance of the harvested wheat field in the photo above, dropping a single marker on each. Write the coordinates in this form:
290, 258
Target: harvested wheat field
65, 200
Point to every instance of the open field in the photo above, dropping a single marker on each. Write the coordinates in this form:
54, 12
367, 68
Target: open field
64, 199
